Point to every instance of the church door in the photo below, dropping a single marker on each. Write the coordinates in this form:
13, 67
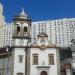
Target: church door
43, 73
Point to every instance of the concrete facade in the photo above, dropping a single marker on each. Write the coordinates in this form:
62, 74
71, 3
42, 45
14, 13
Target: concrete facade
59, 31
2, 23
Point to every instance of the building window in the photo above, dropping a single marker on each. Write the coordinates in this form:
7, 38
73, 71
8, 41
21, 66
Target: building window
20, 58
20, 74
50, 59
25, 30
18, 30
35, 59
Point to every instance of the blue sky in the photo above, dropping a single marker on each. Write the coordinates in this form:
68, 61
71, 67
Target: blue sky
39, 9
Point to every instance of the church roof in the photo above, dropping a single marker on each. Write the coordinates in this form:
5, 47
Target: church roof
22, 16
4, 50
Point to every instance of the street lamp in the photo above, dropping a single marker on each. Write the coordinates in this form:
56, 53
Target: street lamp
7, 50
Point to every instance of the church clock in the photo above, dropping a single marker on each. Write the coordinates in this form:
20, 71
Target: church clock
43, 46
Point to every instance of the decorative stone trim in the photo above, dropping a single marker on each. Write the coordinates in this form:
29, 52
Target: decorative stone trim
43, 67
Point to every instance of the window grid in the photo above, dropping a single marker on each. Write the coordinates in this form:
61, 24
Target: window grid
35, 59
50, 59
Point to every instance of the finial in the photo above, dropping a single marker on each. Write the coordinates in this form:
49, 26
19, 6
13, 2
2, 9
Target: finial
22, 11
23, 14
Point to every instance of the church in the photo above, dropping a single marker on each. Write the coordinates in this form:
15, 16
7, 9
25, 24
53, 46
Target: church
25, 58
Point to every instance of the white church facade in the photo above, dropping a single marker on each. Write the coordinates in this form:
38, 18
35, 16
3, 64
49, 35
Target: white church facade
25, 58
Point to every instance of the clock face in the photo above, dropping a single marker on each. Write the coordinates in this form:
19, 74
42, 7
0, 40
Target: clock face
43, 46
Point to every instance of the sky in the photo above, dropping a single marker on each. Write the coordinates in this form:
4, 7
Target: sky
39, 9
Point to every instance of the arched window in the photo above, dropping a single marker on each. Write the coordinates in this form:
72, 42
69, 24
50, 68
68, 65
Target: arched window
18, 30
43, 73
35, 59
20, 73
25, 29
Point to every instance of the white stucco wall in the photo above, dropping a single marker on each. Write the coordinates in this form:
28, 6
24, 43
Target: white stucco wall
19, 42
43, 57
6, 65
19, 67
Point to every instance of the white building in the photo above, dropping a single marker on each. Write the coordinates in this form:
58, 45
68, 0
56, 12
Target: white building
2, 18
60, 32
26, 59
2, 23
8, 33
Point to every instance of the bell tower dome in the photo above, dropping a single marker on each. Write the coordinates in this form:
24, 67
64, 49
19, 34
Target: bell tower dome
22, 26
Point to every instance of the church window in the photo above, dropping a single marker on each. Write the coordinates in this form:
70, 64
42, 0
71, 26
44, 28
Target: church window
50, 59
20, 74
35, 59
25, 29
18, 30
20, 58
43, 73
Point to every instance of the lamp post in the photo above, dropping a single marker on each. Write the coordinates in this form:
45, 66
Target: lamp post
7, 49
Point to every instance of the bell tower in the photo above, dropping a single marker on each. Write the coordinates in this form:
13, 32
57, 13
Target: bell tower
22, 27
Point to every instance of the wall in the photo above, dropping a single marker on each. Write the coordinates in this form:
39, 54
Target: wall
19, 67
6, 66
43, 57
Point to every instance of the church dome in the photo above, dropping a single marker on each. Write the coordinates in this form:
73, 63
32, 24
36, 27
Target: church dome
22, 16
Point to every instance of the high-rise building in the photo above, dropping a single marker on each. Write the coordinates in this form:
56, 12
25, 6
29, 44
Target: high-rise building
8, 33
2, 19
60, 31
2, 23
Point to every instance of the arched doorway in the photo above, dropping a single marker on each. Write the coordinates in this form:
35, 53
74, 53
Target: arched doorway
43, 73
